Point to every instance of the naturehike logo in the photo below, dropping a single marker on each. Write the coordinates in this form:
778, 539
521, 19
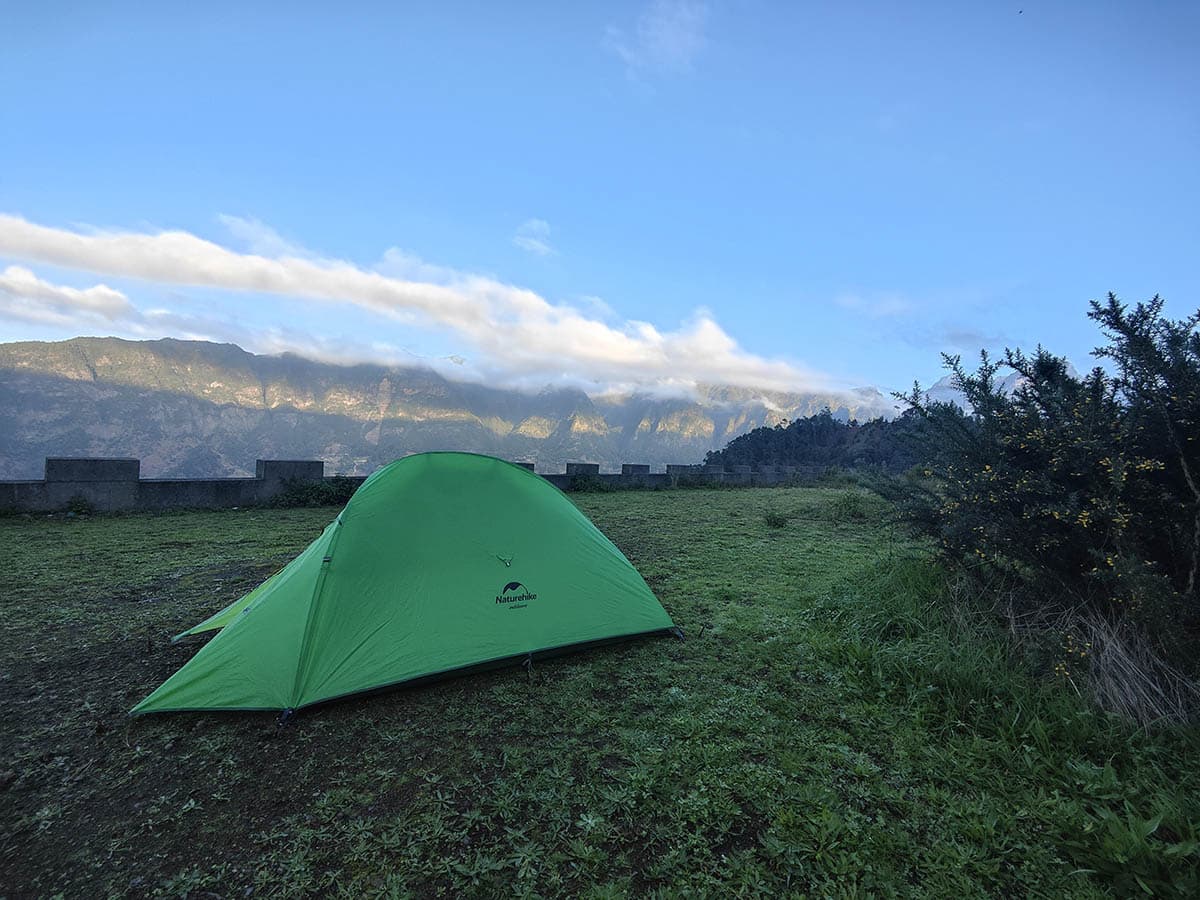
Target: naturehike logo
516, 594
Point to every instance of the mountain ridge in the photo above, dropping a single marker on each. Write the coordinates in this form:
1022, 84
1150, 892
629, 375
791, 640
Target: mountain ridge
944, 390
196, 408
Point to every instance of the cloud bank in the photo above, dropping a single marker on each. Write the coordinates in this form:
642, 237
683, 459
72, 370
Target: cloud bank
515, 335
27, 298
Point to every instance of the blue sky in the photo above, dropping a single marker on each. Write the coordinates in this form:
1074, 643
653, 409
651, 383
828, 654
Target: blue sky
617, 195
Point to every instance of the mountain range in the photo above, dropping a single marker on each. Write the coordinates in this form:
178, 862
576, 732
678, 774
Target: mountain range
195, 409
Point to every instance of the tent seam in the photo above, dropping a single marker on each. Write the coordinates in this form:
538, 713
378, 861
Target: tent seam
318, 590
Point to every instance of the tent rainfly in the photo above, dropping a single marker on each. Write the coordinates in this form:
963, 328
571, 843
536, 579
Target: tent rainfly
440, 562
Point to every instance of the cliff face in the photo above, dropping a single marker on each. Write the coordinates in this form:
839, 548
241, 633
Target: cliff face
191, 408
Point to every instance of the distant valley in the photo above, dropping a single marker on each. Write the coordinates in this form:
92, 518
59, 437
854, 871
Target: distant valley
193, 408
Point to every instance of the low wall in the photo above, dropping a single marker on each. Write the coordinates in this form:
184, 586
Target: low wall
113, 485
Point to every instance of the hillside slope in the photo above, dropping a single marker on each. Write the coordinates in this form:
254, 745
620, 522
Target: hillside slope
192, 408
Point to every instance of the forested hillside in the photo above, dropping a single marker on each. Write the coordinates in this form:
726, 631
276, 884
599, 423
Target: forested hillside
823, 439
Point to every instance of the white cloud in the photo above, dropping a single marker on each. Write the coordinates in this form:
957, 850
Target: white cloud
534, 235
514, 335
409, 267
667, 37
260, 238
25, 297
598, 307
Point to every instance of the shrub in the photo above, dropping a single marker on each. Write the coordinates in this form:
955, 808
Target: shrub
702, 482
335, 491
589, 484
1085, 492
80, 505
849, 506
775, 518
838, 476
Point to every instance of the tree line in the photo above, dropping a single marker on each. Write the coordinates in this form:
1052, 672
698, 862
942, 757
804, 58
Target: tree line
824, 440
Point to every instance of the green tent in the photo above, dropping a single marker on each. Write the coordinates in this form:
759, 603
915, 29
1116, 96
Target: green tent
440, 562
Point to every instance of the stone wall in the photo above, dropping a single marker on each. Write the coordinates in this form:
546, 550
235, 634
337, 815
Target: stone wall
114, 485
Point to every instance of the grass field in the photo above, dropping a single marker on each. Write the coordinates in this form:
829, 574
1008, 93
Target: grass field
833, 726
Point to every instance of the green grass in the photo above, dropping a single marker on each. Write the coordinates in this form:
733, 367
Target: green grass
831, 727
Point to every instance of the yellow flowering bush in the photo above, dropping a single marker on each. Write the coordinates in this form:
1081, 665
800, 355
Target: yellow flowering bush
1084, 488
